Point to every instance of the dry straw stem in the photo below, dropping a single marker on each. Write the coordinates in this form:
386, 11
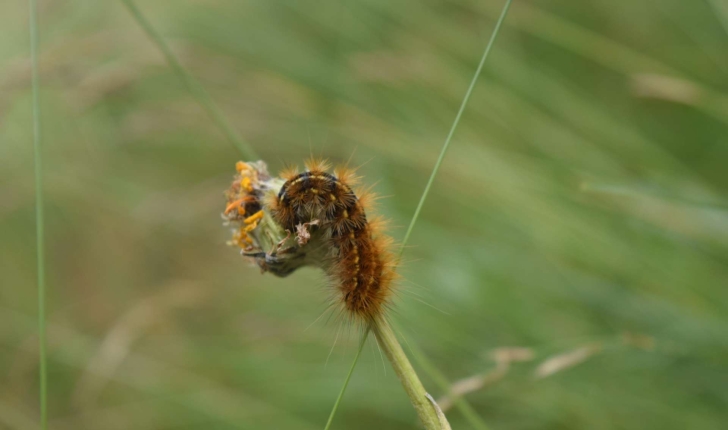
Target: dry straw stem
503, 358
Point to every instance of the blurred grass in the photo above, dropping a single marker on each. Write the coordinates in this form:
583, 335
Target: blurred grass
39, 218
583, 197
196, 90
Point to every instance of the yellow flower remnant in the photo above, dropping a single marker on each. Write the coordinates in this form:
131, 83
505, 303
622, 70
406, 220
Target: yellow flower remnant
241, 237
253, 219
254, 231
243, 205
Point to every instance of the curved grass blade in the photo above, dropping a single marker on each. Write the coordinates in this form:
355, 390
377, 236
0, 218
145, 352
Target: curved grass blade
39, 219
348, 377
197, 90
470, 414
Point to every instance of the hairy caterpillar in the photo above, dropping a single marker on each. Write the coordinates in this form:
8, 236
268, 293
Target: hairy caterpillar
358, 261
329, 223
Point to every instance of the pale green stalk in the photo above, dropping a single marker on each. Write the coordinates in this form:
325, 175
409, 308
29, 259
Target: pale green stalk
348, 377
441, 380
39, 221
426, 411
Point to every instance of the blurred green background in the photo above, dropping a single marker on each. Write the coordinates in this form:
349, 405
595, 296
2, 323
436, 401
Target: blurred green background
583, 207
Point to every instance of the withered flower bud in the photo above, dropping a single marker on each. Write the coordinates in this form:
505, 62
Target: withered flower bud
255, 232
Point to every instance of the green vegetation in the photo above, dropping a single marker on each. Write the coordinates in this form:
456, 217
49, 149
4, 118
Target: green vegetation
581, 207
39, 217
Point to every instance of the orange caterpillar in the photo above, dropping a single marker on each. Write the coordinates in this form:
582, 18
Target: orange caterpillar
358, 259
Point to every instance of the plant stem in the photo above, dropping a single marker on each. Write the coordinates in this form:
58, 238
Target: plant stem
441, 380
454, 126
348, 377
197, 90
425, 409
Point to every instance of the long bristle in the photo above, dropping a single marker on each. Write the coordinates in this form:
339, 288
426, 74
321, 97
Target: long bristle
347, 175
317, 165
289, 172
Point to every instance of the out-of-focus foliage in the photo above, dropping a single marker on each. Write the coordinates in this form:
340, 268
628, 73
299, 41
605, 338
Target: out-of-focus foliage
583, 204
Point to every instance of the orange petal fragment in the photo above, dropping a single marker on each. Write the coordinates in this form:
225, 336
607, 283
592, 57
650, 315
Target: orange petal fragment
233, 205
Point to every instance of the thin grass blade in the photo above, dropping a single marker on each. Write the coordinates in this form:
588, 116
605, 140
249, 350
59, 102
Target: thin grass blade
39, 219
455, 123
346, 381
197, 90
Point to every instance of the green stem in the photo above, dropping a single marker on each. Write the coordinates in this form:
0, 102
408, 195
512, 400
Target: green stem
455, 123
39, 221
197, 90
441, 380
348, 377
407, 375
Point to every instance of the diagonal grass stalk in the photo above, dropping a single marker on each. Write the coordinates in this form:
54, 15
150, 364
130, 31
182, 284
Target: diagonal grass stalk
455, 123
385, 336
195, 88
39, 220
348, 378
